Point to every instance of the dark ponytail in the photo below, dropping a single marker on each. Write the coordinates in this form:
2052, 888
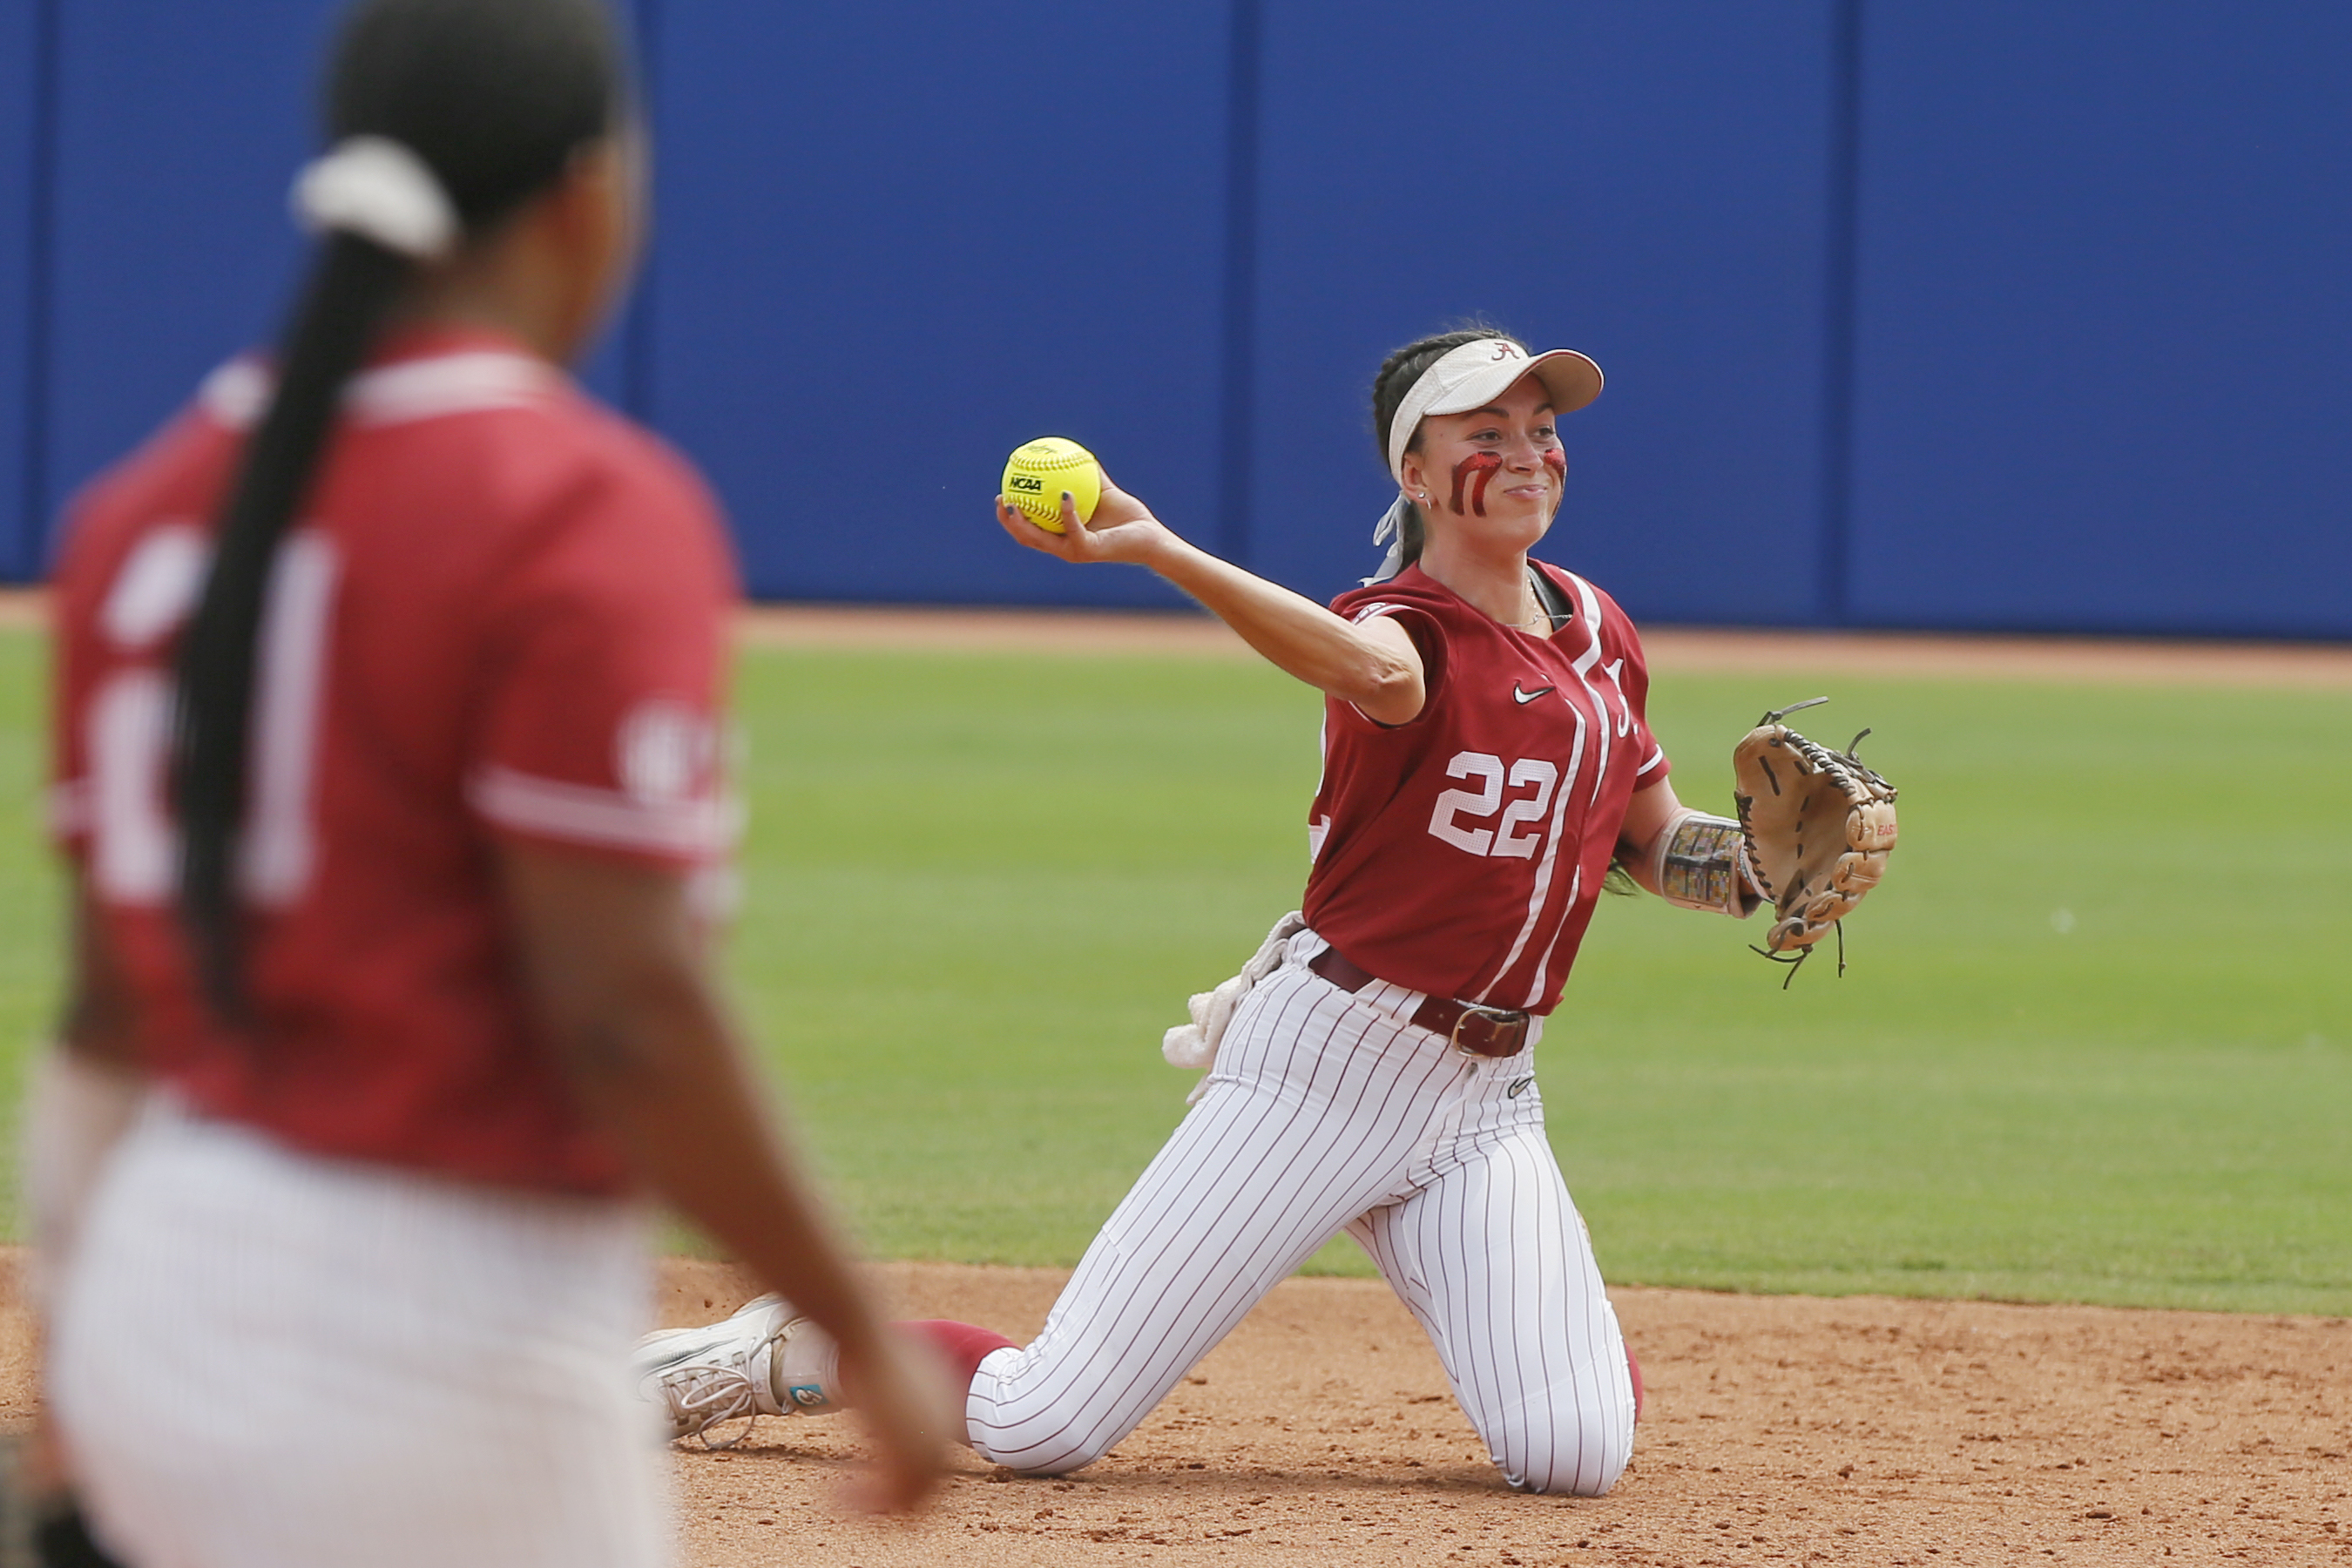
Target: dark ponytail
496, 98
1397, 373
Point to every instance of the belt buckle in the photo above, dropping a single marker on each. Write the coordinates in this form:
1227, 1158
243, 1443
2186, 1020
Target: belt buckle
1473, 1009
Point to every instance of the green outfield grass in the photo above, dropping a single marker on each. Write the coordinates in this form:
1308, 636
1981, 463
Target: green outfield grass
2095, 1044
29, 924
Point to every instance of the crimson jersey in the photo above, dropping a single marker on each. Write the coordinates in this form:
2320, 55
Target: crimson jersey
501, 613
1460, 855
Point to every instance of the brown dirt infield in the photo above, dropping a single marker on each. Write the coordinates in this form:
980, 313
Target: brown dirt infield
1785, 1430
1779, 1429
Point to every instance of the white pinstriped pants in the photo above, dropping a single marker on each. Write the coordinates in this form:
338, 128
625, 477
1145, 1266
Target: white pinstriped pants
264, 1360
1327, 1112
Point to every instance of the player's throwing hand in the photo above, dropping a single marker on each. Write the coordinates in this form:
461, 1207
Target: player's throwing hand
1122, 529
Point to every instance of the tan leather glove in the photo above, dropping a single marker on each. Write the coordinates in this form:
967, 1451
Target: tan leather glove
1818, 825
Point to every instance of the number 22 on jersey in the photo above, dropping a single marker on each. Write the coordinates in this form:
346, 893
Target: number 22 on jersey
1507, 838
127, 722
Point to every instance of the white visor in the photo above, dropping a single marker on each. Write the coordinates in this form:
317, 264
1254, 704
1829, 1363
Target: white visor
1477, 373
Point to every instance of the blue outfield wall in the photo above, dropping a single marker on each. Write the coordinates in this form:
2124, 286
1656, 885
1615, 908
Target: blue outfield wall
893, 247
24, 59
2104, 319
176, 128
175, 134
1646, 184
1938, 315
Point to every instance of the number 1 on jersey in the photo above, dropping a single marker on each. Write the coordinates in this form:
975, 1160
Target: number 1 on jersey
127, 734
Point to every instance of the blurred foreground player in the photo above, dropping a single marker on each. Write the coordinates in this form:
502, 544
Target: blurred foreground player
387, 736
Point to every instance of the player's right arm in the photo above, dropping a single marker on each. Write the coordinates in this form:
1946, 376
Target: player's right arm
596, 777
614, 956
1372, 664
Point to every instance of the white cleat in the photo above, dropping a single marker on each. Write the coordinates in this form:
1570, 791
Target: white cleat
764, 1361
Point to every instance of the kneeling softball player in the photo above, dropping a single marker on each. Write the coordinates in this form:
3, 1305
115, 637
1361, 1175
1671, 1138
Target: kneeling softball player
1487, 760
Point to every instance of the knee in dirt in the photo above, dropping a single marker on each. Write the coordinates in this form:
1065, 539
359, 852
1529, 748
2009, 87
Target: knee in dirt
1075, 1457
1563, 1451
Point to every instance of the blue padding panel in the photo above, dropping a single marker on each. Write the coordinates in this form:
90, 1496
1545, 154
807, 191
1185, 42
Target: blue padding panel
2105, 316
900, 239
614, 367
1646, 182
19, 51
179, 130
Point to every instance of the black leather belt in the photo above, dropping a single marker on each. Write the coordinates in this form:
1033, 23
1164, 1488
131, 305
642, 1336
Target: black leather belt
1470, 1027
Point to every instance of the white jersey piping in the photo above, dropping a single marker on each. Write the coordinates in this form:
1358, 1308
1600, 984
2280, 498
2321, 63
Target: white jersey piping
603, 818
1550, 858
1590, 602
471, 381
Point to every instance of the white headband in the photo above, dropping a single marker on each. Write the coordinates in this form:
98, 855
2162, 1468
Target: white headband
376, 189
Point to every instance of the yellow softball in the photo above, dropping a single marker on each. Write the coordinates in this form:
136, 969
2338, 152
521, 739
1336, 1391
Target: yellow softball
1037, 473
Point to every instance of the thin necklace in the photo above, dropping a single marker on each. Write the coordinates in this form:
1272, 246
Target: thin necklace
1537, 618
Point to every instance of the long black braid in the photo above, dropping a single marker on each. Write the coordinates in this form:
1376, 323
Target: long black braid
498, 98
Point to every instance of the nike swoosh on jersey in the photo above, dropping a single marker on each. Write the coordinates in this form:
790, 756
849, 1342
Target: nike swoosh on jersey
1524, 697
1517, 1088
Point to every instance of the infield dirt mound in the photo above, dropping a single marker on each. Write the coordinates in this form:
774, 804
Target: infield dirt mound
1779, 1430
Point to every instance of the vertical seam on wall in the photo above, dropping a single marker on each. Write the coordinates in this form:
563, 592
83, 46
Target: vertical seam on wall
1240, 367
38, 303
637, 329
1841, 273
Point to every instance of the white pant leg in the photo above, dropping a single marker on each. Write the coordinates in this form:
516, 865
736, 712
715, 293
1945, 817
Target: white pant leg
264, 1360
1317, 1104
1492, 1257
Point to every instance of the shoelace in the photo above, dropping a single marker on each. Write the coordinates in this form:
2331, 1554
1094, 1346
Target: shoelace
701, 1395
